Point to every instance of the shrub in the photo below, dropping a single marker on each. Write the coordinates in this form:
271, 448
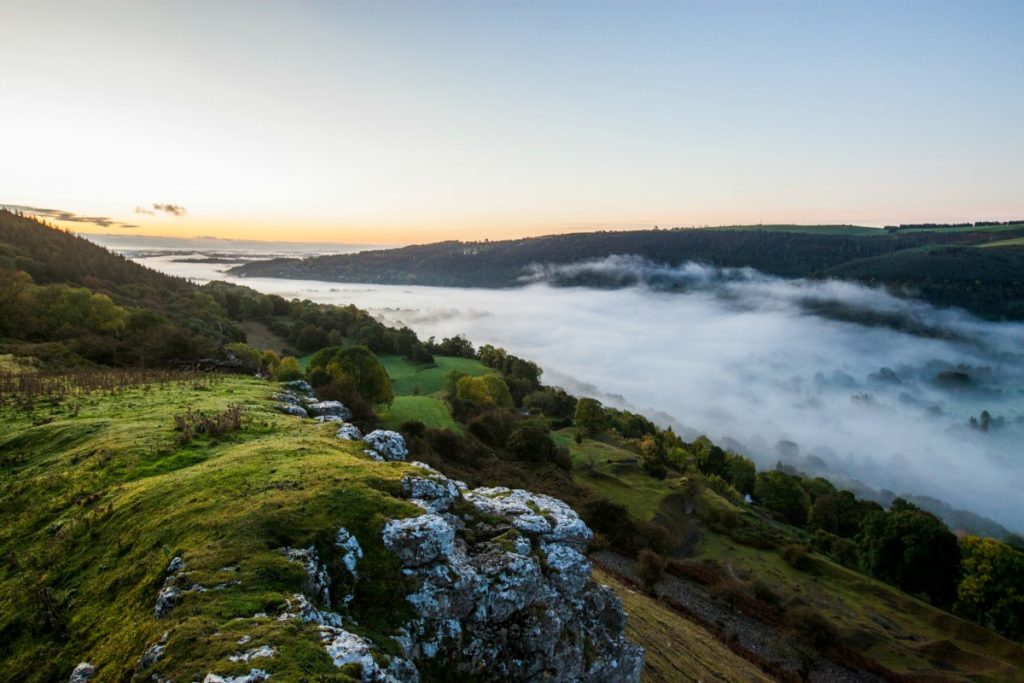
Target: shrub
765, 593
192, 423
650, 567
731, 592
809, 625
288, 369
797, 556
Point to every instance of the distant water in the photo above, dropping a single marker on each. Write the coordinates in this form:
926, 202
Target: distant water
744, 358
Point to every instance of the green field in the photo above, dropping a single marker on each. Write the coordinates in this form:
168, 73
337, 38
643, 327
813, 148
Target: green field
599, 467
97, 499
983, 228
1015, 242
431, 411
411, 379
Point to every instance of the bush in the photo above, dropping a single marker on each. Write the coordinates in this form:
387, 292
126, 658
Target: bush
765, 593
809, 625
650, 567
797, 556
288, 369
731, 592
195, 422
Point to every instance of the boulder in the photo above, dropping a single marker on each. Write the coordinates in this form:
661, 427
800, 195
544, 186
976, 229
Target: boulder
301, 386
329, 409
533, 514
349, 432
433, 493
290, 409
388, 445
82, 673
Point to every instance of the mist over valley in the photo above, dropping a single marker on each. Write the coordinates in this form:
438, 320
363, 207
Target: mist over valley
832, 377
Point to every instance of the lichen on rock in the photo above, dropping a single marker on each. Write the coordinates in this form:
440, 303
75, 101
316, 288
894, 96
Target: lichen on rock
388, 445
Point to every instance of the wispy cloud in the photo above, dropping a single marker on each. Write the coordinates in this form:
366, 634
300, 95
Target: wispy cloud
140, 209
69, 216
172, 209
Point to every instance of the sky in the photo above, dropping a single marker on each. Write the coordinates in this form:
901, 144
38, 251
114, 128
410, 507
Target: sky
410, 122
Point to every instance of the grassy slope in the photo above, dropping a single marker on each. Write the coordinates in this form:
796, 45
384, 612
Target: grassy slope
597, 465
94, 506
433, 412
408, 378
899, 631
677, 649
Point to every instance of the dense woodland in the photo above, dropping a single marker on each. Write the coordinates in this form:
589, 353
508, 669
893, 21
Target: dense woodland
945, 267
65, 303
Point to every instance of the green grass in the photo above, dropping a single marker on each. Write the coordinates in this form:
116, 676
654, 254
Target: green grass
94, 506
677, 649
411, 379
599, 467
983, 228
1015, 242
431, 411
897, 630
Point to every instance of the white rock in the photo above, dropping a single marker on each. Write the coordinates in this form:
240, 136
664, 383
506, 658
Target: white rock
329, 408
255, 653
387, 444
349, 432
568, 569
434, 493
166, 600
318, 580
348, 648
533, 514
82, 673
419, 540
351, 553
176, 565
289, 409
254, 676
301, 386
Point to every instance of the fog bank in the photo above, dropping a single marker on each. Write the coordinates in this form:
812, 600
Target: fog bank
834, 377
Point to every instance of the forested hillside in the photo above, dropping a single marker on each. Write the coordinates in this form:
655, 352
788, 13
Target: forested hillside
942, 265
178, 523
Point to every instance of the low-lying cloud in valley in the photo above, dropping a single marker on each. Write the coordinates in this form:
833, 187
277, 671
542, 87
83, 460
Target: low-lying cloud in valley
834, 377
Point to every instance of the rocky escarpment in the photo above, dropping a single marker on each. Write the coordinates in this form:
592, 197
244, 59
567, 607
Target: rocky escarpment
494, 585
502, 592
505, 591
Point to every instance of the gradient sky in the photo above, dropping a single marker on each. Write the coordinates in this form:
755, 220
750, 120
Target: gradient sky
409, 122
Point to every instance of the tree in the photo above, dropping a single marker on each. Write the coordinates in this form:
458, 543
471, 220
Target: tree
358, 365
530, 442
912, 549
288, 369
782, 493
590, 417
485, 391
992, 589
740, 472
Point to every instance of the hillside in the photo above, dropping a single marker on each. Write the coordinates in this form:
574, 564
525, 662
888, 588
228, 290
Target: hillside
937, 260
185, 525
273, 550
